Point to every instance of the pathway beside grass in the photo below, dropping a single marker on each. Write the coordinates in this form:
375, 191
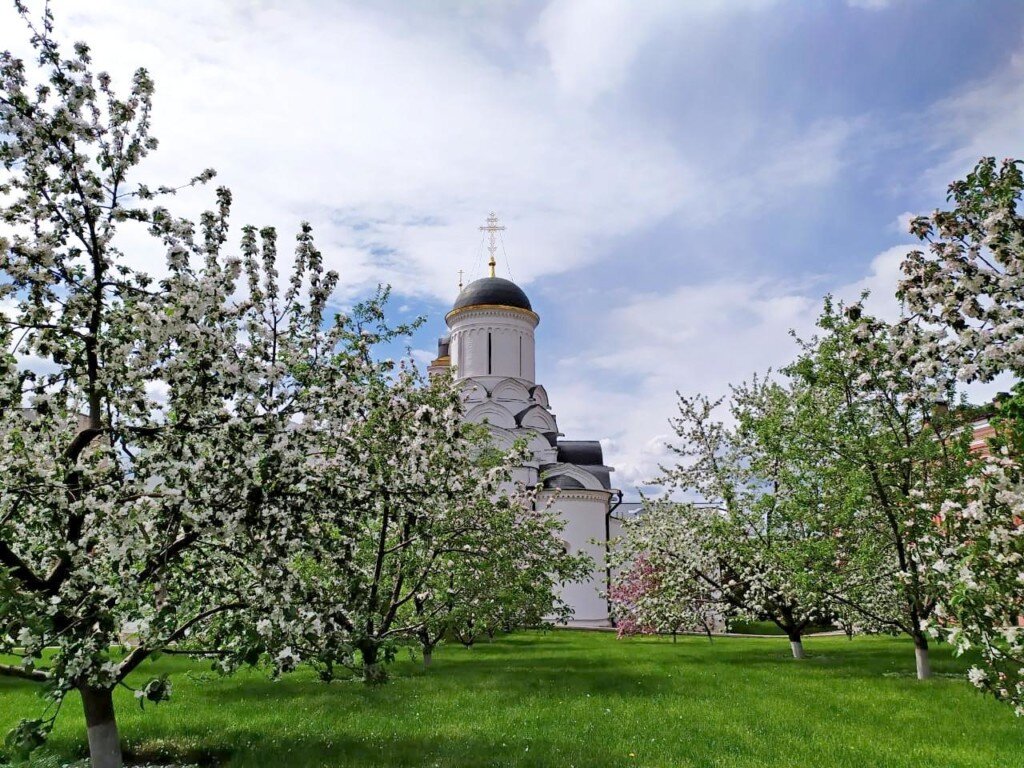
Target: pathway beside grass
576, 699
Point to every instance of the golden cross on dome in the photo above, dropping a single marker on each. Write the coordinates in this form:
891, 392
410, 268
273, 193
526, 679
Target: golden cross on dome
460, 279
493, 228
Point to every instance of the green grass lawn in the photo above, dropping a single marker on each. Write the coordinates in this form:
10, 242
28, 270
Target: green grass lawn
576, 699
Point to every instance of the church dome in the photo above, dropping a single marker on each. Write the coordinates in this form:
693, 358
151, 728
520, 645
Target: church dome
492, 290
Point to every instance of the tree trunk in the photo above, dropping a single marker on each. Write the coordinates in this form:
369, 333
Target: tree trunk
374, 672
423, 635
924, 665
327, 673
796, 644
104, 743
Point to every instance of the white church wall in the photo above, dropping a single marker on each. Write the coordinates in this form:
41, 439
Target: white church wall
584, 515
529, 360
493, 342
505, 351
580, 475
502, 439
615, 531
526, 476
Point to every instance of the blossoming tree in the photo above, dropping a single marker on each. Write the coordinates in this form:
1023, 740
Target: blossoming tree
666, 572
876, 435
964, 295
509, 576
155, 465
430, 538
743, 548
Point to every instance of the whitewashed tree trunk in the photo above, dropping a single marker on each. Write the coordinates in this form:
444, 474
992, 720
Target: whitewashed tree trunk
798, 648
428, 656
104, 742
374, 671
924, 665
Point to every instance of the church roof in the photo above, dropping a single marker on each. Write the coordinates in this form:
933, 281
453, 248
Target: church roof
580, 452
567, 476
588, 456
563, 482
492, 290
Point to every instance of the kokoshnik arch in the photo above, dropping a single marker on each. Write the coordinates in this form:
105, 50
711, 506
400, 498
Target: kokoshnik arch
490, 347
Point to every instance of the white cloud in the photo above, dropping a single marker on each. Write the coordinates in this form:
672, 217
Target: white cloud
423, 356
786, 164
881, 281
592, 44
699, 338
696, 338
901, 223
981, 119
809, 160
395, 141
395, 138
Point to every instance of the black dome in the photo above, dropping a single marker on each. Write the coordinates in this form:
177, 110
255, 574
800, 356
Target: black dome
492, 290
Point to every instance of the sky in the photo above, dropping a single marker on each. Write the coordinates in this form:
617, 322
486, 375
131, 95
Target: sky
681, 181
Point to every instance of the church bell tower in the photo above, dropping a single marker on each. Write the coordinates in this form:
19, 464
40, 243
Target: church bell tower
491, 326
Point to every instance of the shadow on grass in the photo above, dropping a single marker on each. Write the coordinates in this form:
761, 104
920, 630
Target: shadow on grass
502, 670
404, 751
540, 676
851, 661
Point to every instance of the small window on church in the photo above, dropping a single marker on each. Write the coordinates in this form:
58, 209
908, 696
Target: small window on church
488, 352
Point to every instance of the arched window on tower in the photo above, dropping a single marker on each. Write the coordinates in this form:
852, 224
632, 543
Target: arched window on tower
489, 353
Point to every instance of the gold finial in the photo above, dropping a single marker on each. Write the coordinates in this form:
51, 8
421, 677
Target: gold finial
492, 227
460, 279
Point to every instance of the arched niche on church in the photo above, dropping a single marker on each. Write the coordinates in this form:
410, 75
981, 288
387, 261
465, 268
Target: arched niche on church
540, 396
472, 392
540, 447
493, 414
501, 439
568, 476
510, 391
536, 417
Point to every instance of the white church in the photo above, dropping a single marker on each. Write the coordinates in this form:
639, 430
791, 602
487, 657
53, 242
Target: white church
490, 346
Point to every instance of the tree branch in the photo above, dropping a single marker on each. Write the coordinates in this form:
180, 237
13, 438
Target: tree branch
35, 675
